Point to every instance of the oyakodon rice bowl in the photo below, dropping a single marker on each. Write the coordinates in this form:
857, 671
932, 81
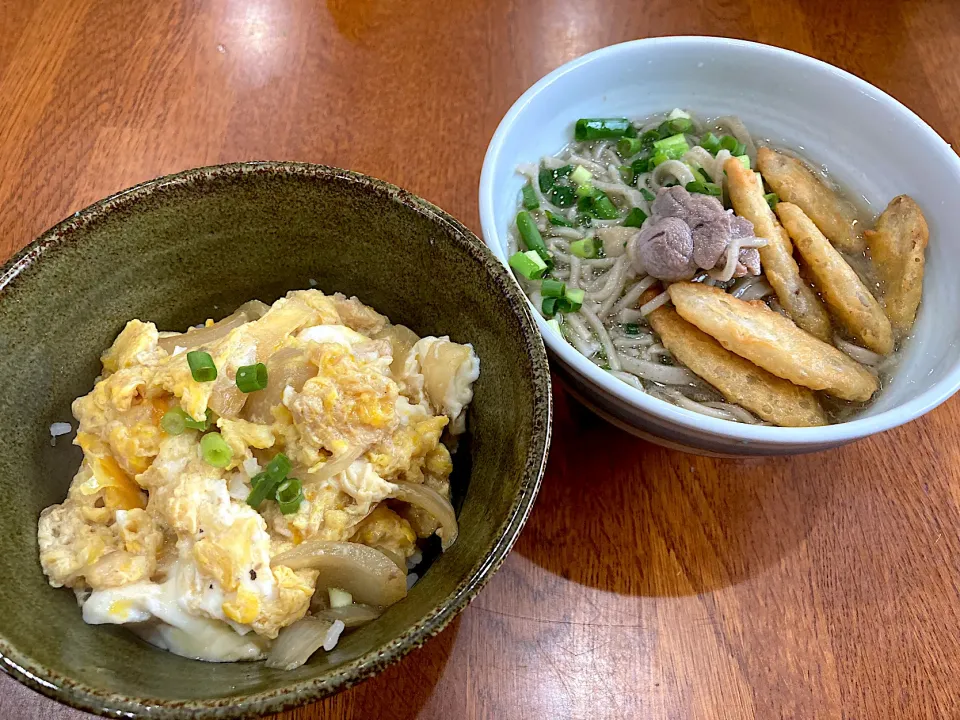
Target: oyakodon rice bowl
790, 103
176, 251
253, 487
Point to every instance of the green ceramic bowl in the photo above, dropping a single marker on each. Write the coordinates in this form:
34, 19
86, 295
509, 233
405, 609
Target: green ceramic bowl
189, 246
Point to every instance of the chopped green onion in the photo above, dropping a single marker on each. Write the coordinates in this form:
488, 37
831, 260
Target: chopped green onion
740, 149
172, 422
529, 264
554, 325
563, 171
628, 147
704, 188
531, 236
558, 219
744, 160
673, 147
549, 306
289, 495
649, 138
585, 190
601, 128
681, 125
215, 450
584, 220
547, 179
279, 466
647, 195
635, 218
201, 365
604, 208
563, 196
251, 378
264, 485
575, 296
201, 425
678, 113
530, 200
772, 199
587, 248
581, 175
664, 130
729, 142
626, 174
339, 598
697, 175
711, 143
552, 288
631, 329
641, 165
659, 158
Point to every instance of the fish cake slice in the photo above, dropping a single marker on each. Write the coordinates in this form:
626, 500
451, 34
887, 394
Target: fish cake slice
739, 381
897, 247
845, 294
783, 274
765, 338
795, 183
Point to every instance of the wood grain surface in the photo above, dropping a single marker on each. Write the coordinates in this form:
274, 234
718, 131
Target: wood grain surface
648, 583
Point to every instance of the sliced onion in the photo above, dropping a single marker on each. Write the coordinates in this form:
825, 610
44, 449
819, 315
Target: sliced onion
367, 574
195, 337
287, 366
351, 616
434, 503
335, 465
253, 309
296, 643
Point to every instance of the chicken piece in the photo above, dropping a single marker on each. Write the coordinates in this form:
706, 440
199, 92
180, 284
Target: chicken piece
897, 248
241, 435
765, 338
446, 372
357, 316
845, 294
783, 274
135, 345
388, 532
350, 403
795, 183
738, 380
69, 545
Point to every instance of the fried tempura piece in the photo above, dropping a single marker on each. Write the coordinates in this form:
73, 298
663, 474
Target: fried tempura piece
897, 247
796, 297
845, 294
765, 338
738, 380
795, 183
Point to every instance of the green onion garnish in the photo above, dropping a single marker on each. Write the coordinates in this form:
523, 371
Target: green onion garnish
744, 160
529, 264
626, 174
581, 175
641, 165
604, 208
215, 450
549, 306
554, 325
628, 147
649, 138
251, 378
601, 128
279, 466
263, 486
772, 199
172, 422
558, 219
586, 190
647, 195
289, 495
531, 236
710, 143
704, 188
530, 200
547, 180
740, 149
631, 329
697, 175
552, 288
201, 425
728, 142
659, 158
201, 365
635, 218
563, 196
673, 147
571, 301
664, 130
681, 125
586, 248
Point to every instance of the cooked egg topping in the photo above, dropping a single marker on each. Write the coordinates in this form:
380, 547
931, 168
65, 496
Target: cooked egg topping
157, 530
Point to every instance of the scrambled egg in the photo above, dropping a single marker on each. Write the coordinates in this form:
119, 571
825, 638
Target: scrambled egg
152, 534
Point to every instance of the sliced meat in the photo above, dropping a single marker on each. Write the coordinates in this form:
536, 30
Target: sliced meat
664, 249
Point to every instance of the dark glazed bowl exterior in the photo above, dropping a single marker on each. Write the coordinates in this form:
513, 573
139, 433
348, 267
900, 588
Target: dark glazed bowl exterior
194, 245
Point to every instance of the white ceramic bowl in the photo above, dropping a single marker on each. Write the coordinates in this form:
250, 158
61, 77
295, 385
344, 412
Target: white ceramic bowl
871, 144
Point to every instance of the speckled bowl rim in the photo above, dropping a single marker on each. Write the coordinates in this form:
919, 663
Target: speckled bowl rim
90, 699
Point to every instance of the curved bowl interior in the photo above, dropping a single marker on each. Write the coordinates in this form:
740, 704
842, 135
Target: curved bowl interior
179, 250
870, 143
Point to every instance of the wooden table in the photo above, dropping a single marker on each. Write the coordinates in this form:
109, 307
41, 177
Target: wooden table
648, 583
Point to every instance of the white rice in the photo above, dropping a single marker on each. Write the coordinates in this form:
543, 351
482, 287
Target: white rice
333, 635
58, 429
412, 580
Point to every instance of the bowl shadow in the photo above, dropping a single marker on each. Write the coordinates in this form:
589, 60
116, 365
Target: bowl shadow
623, 515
